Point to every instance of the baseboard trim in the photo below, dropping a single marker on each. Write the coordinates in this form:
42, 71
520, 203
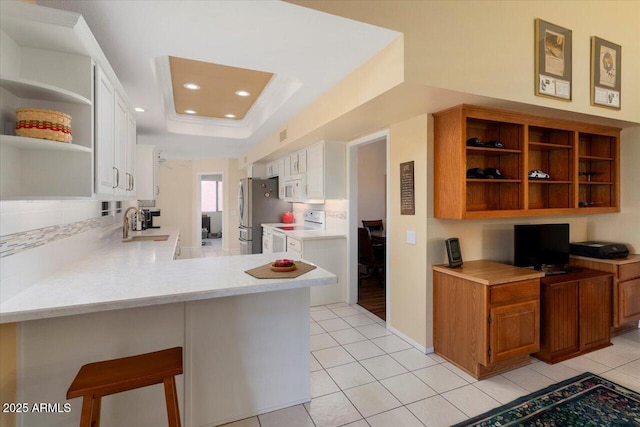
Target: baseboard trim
411, 341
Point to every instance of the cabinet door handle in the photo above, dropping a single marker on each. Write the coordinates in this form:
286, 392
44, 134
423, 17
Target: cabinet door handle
117, 177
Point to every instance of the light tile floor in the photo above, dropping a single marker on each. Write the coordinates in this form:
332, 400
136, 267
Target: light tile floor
212, 248
364, 375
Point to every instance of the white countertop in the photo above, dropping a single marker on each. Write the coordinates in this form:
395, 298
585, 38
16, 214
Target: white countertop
305, 234
137, 274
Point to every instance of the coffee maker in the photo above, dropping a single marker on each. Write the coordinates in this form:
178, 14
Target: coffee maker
147, 220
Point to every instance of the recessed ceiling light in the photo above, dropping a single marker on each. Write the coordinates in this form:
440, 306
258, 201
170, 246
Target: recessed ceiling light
190, 111
230, 116
243, 93
140, 109
192, 86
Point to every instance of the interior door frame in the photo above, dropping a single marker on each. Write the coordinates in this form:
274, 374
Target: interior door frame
352, 196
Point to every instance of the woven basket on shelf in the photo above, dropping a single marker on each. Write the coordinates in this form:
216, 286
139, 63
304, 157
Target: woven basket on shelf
43, 124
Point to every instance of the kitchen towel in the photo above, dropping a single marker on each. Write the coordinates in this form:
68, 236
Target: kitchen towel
265, 272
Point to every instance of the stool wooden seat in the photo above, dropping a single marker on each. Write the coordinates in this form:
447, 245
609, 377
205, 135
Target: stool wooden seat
98, 379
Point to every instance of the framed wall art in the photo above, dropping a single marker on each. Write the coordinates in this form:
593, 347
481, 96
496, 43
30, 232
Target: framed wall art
552, 60
407, 189
606, 61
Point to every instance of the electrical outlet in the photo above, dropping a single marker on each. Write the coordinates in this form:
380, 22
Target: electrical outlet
411, 237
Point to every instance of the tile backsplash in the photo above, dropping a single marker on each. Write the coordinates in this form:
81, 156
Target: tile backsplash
335, 211
17, 242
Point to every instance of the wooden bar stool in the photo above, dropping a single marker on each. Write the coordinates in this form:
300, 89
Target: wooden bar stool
98, 379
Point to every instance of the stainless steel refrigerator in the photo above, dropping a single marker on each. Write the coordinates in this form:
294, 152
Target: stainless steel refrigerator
258, 203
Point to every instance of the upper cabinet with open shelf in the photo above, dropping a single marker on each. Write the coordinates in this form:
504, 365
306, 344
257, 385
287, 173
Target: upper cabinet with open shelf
578, 163
48, 62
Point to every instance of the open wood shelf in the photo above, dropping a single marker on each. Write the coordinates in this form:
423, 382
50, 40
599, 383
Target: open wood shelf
493, 181
548, 181
543, 146
604, 159
487, 151
570, 152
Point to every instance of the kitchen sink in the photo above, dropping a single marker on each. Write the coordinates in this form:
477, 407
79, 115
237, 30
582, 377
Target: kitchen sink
152, 237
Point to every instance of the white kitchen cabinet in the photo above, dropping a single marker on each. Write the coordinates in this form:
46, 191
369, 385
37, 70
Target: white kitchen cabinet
285, 167
125, 148
48, 62
267, 233
106, 172
132, 164
115, 141
328, 253
120, 146
298, 162
273, 169
283, 172
325, 171
146, 172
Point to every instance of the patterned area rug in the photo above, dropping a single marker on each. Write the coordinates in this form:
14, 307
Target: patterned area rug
585, 400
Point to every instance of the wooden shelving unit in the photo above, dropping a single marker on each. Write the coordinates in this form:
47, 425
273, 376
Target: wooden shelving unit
582, 161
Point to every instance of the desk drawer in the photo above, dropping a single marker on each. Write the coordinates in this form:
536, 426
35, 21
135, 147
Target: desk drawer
517, 291
628, 271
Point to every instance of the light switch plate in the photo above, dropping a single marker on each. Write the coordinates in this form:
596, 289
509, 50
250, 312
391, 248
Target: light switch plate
411, 237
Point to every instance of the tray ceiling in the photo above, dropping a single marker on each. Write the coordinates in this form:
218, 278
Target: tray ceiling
307, 51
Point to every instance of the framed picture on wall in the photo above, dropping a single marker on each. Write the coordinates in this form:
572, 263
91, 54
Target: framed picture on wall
606, 61
552, 60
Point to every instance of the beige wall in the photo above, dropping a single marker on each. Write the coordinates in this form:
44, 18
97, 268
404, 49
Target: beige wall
493, 42
176, 198
477, 52
179, 182
407, 268
487, 47
8, 371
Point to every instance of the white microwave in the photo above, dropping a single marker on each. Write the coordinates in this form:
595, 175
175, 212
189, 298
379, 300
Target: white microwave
294, 189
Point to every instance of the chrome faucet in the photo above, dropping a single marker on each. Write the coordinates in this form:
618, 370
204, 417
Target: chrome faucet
125, 221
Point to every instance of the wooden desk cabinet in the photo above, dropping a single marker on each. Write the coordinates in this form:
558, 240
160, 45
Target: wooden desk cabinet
486, 316
626, 287
575, 314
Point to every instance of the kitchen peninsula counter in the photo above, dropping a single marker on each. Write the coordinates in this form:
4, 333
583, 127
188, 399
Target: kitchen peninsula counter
137, 274
246, 341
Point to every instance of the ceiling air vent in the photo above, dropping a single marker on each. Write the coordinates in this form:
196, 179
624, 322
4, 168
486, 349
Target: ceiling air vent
283, 135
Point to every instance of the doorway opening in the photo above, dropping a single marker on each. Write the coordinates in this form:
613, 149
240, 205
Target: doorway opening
210, 201
369, 223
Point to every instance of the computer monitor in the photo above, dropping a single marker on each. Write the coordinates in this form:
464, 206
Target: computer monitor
538, 245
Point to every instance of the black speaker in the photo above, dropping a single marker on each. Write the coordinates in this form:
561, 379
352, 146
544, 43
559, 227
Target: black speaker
453, 252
